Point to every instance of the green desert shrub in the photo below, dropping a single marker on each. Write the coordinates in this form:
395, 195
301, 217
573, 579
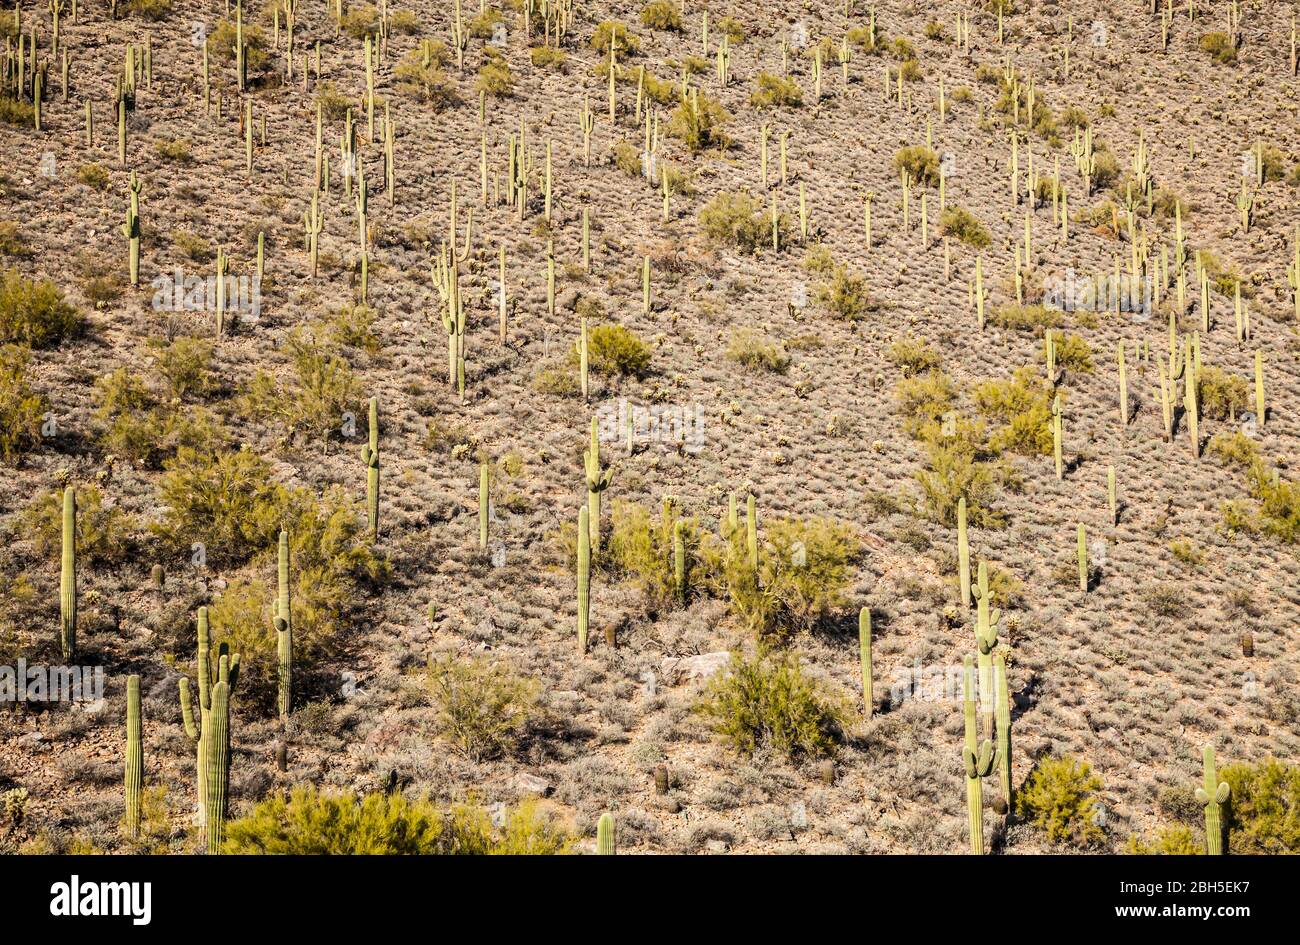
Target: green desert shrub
421, 75
805, 567
105, 531
661, 15
484, 25
175, 149
1220, 395
1060, 799
95, 176
495, 77
751, 349
613, 33
21, 408
737, 219
923, 399
914, 356
697, 122
482, 707
548, 57
150, 9
321, 388
334, 105
33, 312
920, 163
1264, 807
774, 91
222, 39
310, 822
185, 363
1220, 48
1073, 353
12, 243
1022, 403
617, 351
771, 704
1235, 449
640, 550
956, 470
360, 21
845, 295
1175, 840
965, 227
1027, 318
732, 28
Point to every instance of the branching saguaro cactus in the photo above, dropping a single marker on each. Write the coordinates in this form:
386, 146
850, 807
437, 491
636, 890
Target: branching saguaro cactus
131, 230
133, 778
282, 619
209, 727
370, 456
978, 759
1213, 794
605, 835
68, 578
584, 577
598, 480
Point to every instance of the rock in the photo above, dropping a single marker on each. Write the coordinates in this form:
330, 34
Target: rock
688, 668
531, 784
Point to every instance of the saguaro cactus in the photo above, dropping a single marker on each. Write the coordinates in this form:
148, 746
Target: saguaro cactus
283, 621
864, 654
370, 456
133, 777
201, 728
484, 503
131, 229
679, 558
963, 554
68, 578
1213, 794
986, 640
751, 531
584, 577
1002, 716
598, 481
978, 758
1083, 559
217, 762
605, 835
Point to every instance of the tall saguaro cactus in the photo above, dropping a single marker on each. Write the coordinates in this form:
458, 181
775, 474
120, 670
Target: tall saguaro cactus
598, 481
283, 620
584, 577
1002, 716
131, 229
68, 577
978, 758
201, 728
986, 640
133, 777
1213, 794
484, 502
217, 761
864, 655
370, 456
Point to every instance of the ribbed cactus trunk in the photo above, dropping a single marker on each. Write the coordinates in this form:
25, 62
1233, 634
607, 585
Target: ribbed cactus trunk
605, 835
484, 482
1002, 718
978, 761
751, 532
864, 654
963, 554
1213, 794
679, 558
133, 778
68, 577
283, 621
1083, 559
217, 763
584, 578
370, 456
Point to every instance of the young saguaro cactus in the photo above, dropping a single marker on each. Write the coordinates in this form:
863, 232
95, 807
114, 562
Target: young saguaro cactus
963, 554
751, 531
864, 655
584, 577
68, 577
131, 229
605, 835
133, 777
978, 758
598, 480
204, 727
484, 502
679, 558
1083, 558
1213, 794
282, 619
370, 456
